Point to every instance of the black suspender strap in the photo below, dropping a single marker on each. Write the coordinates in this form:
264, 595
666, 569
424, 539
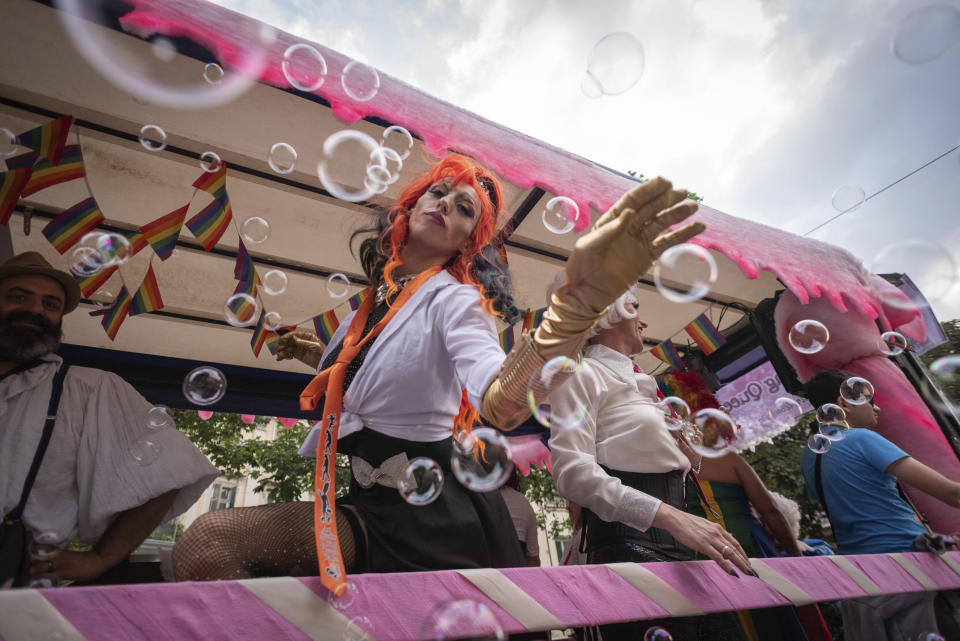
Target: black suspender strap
58, 377
819, 481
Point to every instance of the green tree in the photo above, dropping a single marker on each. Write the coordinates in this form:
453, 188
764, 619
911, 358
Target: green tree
541, 491
950, 384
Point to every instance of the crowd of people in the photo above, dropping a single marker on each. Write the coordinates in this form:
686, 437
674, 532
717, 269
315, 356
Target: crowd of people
636, 489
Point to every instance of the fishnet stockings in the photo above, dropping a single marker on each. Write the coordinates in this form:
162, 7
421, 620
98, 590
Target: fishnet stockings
267, 540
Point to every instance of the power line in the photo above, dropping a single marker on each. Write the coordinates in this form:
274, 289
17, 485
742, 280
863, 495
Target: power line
877, 193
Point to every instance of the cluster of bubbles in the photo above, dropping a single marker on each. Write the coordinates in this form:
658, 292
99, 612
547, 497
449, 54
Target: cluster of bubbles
481, 460
305, 69
551, 375
685, 263
97, 251
832, 420
421, 482
464, 618
710, 432
204, 385
614, 66
338, 174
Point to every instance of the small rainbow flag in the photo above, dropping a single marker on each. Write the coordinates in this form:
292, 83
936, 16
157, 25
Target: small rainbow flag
22, 161
667, 352
12, 183
162, 233
68, 228
271, 341
147, 299
244, 269
46, 174
506, 339
261, 335
90, 284
704, 334
533, 319
208, 225
213, 182
357, 299
48, 139
115, 315
325, 325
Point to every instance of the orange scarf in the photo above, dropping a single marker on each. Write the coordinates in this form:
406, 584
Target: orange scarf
330, 381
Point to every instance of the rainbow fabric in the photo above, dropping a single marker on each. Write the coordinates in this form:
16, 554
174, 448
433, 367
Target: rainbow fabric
137, 241
213, 182
262, 336
162, 233
68, 228
533, 319
667, 353
147, 299
12, 183
507, 339
48, 139
90, 284
704, 334
115, 315
208, 225
357, 299
244, 270
46, 174
325, 325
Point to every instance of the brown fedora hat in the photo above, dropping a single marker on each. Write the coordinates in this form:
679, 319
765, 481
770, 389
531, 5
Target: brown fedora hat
33, 264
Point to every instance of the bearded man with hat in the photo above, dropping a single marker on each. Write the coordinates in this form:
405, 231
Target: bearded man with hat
79, 457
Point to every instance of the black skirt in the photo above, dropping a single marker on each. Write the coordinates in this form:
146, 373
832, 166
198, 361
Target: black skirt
460, 529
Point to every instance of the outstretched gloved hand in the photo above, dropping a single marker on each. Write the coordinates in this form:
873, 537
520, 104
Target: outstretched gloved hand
301, 344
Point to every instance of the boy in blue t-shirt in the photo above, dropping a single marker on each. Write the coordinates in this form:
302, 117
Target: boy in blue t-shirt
859, 477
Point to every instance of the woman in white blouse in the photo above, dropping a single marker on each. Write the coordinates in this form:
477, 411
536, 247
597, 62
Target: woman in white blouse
435, 361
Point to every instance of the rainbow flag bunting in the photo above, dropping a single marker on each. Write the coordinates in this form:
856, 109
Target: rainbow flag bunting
68, 228
357, 299
46, 174
506, 339
12, 183
704, 334
208, 225
213, 182
137, 241
115, 315
244, 270
262, 335
162, 233
147, 299
244, 310
533, 319
667, 352
325, 325
22, 161
48, 139
90, 284
271, 341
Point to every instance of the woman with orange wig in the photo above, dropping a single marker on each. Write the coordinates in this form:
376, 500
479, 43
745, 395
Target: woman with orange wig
416, 363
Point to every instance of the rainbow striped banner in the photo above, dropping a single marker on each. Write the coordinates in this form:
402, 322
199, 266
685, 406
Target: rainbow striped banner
11, 185
208, 225
667, 352
162, 233
115, 315
147, 299
263, 336
325, 324
507, 339
213, 182
68, 228
533, 319
704, 334
271, 341
90, 284
47, 174
48, 139
244, 269
357, 299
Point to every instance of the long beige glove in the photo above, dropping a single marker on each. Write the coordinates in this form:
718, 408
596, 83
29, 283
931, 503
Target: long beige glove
605, 262
301, 344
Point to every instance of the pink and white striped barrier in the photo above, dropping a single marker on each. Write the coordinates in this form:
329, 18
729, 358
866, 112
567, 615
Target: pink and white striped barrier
400, 607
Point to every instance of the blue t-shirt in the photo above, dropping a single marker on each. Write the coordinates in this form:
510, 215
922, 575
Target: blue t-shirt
866, 511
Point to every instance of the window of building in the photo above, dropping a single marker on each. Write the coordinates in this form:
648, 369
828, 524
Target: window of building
222, 496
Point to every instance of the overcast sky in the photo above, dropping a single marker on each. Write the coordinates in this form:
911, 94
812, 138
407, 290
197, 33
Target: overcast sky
764, 108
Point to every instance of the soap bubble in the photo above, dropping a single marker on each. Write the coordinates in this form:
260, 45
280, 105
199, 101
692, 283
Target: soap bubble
114, 248
590, 87
848, 198
304, 67
560, 214
388, 173
676, 412
616, 63
212, 73
359, 628
145, 451
717, 432
819, 443
85, 261
931, 267
272, 321
681, 264
892, 343
465, 618
925, 34
121, 61
930, 636
338, 286
421, 482
158, 418
551, 375
255, 230
282, 158
346, 600
834, 431
210, 162
204, 385
856, 390
338, 170
945, 375
153, 138
398, 139
785, 412
8, 143
482, 462
657, 634
241, 310
361, 82
831, 413
274, 282
808, 336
